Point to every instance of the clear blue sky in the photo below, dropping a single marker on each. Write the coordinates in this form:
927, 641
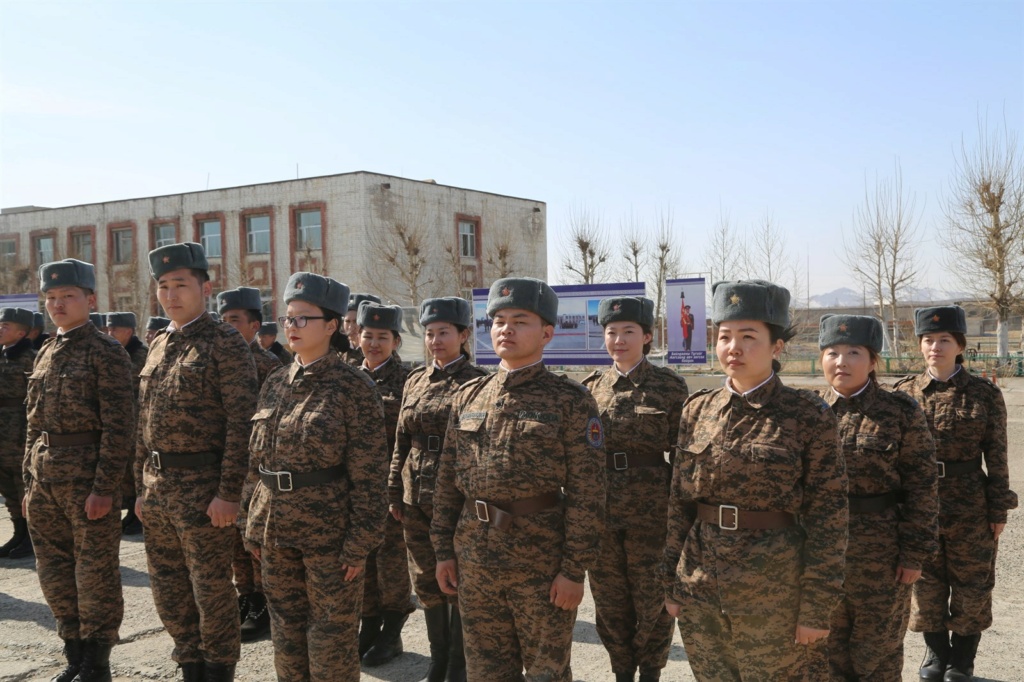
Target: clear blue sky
616, 106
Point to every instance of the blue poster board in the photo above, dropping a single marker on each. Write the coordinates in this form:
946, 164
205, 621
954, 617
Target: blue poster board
26, 301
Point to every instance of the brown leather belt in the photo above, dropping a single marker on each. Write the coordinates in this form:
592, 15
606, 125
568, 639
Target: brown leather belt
874, 504
620, 461
948, 469
69, 440
12, 402
728, 517
501, 516
287, 481
427, 443
182, 460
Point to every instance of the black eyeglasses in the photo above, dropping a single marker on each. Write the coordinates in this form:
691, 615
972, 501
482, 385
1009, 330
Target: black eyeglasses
299, 321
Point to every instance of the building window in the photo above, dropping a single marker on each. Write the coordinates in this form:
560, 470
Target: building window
163, 235
209, 237
467, 239
308, 226
125, 303
8, 253
257, 234
123, 247
81, 246
44, 250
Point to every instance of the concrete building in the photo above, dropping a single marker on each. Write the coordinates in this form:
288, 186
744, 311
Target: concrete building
403, 239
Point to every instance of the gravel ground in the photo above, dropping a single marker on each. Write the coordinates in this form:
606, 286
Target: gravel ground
30, 649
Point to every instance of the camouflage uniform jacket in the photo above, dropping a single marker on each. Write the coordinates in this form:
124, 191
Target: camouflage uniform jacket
138, 352
198, 394
81, 382
353, 356
513, 436
15, 367
424, 416
390, 382
640, 413
775, 449
888, 449
967, 417
280, 352
266, 362
311, 418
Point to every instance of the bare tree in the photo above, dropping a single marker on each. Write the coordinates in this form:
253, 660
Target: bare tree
586, 256
664, 264
634, 245
401, 245
501, 254
764, 255
984, 236
722, 256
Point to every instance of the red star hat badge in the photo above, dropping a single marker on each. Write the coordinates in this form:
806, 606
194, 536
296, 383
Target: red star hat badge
167, 259
433, 311
843, 327
376, 317
616, 307
505, 291
299, 284
935, 317
734, 299
54, 276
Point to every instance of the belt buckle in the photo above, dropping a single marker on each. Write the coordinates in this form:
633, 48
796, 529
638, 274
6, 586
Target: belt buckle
942, 469
735, 516
45, 437
280, 487
481, 511
624, 460
433, 443
154, 457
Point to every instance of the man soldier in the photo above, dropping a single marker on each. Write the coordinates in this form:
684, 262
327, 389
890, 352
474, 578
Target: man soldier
521, 494
268, 341
197, 396
37, 334
15, 366
81, 419
121, 326
154, 325
350, 325
242, 308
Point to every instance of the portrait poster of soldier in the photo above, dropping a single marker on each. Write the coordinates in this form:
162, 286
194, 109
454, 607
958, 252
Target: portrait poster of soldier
686, 321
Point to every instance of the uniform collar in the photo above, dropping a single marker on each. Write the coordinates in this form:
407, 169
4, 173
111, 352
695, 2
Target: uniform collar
861, 398
518, 377
16, 350
959, 379
635, 376
757, 397
203, 322
74, 332
449, 369
385, 369
322, 364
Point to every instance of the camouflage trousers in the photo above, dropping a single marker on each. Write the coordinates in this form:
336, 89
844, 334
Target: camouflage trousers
509, 625
747, 648
190, 574
12, 483
77, 560
245, 568
866, 634
386, 584
422, 560
128, 482
314, 616
629, 598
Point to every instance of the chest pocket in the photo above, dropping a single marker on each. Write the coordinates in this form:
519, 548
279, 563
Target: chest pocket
470, 430
186, 380
75, 382
653, 425
773, 464
696, 468
36, 384
970, 422
261, 440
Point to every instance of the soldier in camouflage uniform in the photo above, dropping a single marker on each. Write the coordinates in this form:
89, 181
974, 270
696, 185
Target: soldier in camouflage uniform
121, 326
318, 468
520, 496
354, 355
418, 443
967, 417
242, 308
154, 325
38, 333
757, 521
640, 405
890, 464
268, 341
387, 594
197, 396
15, 365
81, 419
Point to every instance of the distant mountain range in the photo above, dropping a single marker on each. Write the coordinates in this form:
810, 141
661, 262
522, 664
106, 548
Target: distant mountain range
848, 298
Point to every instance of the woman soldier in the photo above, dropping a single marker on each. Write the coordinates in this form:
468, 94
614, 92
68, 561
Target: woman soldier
967, 418
890, 464
757, 516
317, 469
420, 437
640, 406
387, 592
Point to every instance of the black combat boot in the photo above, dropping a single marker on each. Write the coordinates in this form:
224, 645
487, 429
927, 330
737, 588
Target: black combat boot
243, 607
219, 672
436, 618
457, 652
625, 677
130, 524
369, 630
73, 654
961, 658
192, 671
650, 675
20, 533
23, 548
389, 643
95, 662
936, 655
257, 621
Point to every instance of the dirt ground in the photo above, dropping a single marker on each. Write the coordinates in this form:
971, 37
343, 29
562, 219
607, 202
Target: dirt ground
30, 649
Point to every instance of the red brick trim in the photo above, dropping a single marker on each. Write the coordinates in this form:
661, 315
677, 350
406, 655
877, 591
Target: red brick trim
79, 229
475, 219
36, 234
243, 247
153, 222
293, 227
122, 225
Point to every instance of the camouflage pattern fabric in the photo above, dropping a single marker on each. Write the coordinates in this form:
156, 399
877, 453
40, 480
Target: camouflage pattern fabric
353, 356
514, 436
15, 366
197, 395
967, 418
888, 449
280, 352
425, 408
773, 449
266, 362
81, 382
640, 413
138, 352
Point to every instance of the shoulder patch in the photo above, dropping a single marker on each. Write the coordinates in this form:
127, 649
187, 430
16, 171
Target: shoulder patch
904, 397
593, 376
417, 370
698, 394
813, 398
595, 432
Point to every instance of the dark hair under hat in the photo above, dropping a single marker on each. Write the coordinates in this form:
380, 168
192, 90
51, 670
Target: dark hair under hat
121, 320
638, 309
17, 316
67, 273
177, 256
356, 299
851, 330
157, 323
526, 293
752, 299
323, 292
451, 309
38, 321
268, 329
375, 316
242, 298
945, 318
